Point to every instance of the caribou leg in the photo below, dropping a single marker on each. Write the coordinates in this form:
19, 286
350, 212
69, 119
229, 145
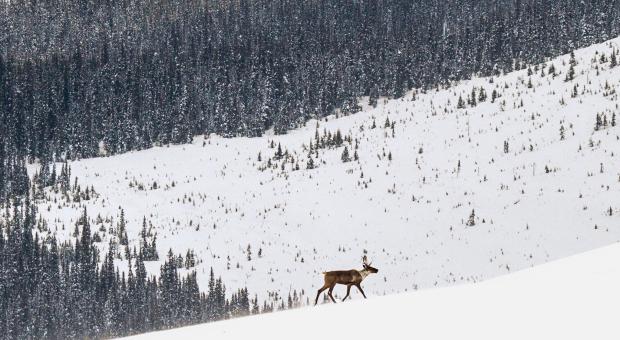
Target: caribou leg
360, 289
319, 294
329, 292
348, 291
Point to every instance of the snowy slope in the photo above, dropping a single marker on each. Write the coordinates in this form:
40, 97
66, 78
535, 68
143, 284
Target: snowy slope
408, 213
573, 298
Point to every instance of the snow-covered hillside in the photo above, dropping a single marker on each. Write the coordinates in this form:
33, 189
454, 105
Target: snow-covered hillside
406, 201
573, 298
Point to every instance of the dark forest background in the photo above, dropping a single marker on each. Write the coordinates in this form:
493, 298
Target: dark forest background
127, 74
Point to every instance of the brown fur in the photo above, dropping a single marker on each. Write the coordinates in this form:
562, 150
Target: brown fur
344, 277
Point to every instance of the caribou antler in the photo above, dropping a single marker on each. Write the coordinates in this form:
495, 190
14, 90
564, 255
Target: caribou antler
365, 260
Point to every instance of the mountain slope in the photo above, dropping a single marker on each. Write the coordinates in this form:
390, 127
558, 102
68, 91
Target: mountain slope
573, 298
407, 201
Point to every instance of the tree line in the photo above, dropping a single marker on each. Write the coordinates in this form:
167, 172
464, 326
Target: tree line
68, 290
89, 78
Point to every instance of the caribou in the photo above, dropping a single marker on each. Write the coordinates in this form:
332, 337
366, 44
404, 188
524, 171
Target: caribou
349, 278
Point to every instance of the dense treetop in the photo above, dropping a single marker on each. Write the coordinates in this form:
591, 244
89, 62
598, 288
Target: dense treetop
89, 78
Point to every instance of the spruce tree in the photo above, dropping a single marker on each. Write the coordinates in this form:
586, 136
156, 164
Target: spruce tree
345, 155
473, 97
572, 61
472, 219
570, 75
310, 163
552, 71
122, 229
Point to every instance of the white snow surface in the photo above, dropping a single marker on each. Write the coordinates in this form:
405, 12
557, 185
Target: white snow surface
572, 298
409, 213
